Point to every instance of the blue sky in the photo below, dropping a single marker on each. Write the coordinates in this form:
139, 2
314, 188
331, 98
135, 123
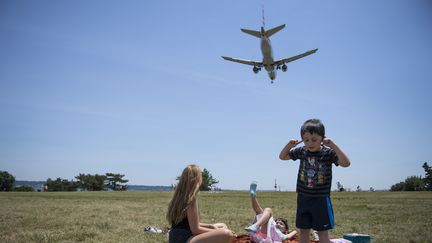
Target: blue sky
140, 88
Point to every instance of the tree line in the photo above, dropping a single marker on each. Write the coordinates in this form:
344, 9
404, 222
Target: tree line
416, 183
85, 182
88, 182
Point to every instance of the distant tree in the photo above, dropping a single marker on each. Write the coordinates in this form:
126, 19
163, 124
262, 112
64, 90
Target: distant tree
81, 181
91, 182
207, 180
116, 182
7, 181
24, 188
428, 176
398, 186
60, 185
98, 183
414, 183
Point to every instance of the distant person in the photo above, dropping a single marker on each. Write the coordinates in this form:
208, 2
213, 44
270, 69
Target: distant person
314, 209
265, 228
183, 213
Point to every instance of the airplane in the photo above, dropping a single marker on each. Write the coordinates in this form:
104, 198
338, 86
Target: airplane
268, 62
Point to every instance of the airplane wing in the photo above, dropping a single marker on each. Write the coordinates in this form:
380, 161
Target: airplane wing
247, 62
290, 59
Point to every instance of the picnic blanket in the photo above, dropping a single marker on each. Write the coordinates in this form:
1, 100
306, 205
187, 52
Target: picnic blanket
246, 239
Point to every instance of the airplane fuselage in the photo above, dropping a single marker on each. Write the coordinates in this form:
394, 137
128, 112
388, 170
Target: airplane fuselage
267, 52
270, 65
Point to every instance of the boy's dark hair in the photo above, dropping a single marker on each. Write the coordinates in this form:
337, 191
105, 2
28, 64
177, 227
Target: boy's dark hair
313, 126
285, 223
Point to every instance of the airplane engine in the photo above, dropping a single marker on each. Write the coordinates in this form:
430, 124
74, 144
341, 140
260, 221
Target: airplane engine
256, 69
284, 68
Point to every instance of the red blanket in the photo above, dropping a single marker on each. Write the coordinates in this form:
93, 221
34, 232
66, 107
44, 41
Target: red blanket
246, 239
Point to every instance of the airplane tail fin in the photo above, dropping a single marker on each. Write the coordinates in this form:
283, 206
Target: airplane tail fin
252, 32
270, 32
263, 32
267, 33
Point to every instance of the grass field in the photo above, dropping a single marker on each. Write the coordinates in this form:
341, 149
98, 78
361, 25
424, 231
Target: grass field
122, 216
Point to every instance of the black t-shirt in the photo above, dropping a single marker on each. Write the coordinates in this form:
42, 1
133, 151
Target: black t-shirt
315, 170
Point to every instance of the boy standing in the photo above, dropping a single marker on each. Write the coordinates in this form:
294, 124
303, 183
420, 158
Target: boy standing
314, 209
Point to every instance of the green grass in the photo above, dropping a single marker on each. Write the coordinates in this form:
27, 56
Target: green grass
122, 216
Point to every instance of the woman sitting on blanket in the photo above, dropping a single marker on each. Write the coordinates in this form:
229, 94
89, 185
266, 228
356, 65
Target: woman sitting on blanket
265, 228
184, 217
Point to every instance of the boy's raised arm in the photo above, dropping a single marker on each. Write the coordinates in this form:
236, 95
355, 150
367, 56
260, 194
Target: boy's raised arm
284, 154
343, 159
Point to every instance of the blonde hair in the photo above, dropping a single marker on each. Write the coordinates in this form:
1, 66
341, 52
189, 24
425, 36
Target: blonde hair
185, 192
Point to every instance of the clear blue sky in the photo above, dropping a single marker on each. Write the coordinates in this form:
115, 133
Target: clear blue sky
140, 88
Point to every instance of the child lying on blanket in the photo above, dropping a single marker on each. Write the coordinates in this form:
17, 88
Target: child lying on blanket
265, 228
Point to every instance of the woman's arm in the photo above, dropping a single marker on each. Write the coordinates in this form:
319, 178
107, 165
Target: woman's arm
193, 218
210, 226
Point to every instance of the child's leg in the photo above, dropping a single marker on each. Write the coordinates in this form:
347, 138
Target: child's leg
252, 189
256, 206
214, 236
303, 217
322, 218
323, 236
261, 222
266, 213
304, 235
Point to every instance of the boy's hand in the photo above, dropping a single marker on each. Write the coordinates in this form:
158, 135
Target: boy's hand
284, 154
343, 159
328, 142
294, 142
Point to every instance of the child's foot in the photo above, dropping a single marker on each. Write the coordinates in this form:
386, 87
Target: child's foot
253, 228
253, 187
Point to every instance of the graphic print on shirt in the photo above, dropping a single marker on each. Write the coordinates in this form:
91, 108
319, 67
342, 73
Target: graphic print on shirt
310, 172
313, 172
321, 171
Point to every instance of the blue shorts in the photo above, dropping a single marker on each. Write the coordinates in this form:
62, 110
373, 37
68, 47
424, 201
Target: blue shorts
314, 213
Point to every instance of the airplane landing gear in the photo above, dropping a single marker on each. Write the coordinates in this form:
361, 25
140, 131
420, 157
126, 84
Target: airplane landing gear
256, 69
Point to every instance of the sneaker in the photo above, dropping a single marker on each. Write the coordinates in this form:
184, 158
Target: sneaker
153, 230
158, 231
253, 228
253, 187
